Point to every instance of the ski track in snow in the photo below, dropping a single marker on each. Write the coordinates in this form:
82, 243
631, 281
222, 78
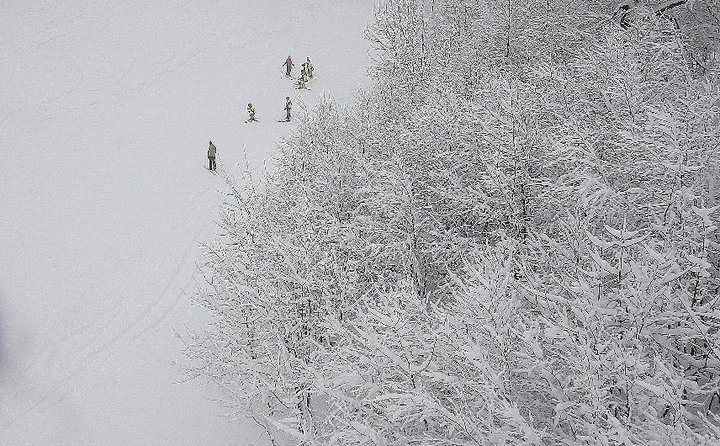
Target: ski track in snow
103, 338
96, 263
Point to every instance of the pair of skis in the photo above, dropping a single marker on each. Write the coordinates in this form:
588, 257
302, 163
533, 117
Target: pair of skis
257, 120
297, 85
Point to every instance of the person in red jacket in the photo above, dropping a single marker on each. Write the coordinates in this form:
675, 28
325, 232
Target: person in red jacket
288, 65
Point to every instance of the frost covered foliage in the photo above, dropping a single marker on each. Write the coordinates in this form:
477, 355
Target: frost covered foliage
511, 239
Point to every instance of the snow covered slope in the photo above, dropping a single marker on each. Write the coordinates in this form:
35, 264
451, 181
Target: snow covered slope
105, 113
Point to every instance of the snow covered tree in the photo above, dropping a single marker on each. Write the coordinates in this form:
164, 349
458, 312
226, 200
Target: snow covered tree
278, 273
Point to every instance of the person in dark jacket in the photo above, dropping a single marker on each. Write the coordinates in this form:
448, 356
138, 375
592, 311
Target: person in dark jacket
309, 68
288, 106
212, 151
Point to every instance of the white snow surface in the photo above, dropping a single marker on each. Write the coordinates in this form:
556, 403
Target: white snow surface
106, 109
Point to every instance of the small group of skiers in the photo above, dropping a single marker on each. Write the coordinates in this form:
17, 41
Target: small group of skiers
306, 73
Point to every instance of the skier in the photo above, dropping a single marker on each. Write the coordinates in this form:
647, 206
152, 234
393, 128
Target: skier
251, 112
302, 80
300, 84
211, 156
288, 106
309, 68
288, 66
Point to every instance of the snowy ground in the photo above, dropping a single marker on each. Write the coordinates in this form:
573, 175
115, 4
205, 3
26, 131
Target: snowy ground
105, 113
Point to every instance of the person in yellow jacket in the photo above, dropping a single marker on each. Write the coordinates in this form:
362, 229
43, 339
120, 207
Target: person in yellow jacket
212, 151
302, 81
251, 112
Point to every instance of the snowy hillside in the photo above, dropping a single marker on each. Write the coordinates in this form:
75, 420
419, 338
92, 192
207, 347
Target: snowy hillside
106, 111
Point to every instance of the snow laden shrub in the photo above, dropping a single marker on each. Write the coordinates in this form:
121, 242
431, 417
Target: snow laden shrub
607, 363
406, 373
278, 272
556, 151
646, 200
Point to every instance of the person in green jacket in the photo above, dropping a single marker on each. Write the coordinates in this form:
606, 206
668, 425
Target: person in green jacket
212, 151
